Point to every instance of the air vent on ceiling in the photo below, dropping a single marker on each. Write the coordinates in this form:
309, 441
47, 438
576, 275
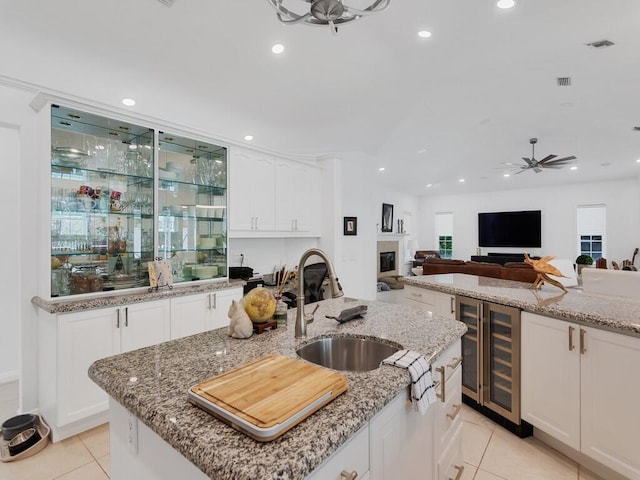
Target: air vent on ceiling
601, 44
564, 81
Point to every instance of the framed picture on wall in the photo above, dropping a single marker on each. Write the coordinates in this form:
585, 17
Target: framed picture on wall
350, 225
387, 217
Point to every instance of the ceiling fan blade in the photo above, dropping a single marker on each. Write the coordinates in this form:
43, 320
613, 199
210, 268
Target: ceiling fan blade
546, 159
560, 160
537, 170
555, 167
531, 163
524, 169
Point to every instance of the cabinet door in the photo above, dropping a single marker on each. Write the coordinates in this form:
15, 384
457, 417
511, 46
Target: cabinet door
401, 441
83, 338
610, 392
189, 315
444, 305
501, 360
241, 214
220, 303
353, 456
297, 196
550, 371
251, 191
469, 311
145, 324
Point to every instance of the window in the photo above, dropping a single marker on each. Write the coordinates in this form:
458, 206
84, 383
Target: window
443, 226
591, 235
445, 246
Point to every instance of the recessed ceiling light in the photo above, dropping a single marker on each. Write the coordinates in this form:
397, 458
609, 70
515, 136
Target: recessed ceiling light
506, 175
129, 102
505, 3
248, 138
421, 151
278, 48
424, 34
381, 169
461, 180
573, 168
429, 185
638, 160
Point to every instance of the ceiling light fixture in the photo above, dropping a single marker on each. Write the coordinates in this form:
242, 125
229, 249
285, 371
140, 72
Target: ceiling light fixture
573, 168
278, 48
505, 3
332, 13
424, 34
461, 180
429, 185
381, 169
638, 160
506, 175
129, 102
248, 138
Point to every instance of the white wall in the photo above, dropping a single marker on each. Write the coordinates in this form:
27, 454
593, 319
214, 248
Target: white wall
263, 254
18, 348
558, 206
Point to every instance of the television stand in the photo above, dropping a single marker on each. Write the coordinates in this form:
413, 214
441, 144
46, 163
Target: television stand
499, 258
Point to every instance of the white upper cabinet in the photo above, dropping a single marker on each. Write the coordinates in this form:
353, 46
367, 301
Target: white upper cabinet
272, 197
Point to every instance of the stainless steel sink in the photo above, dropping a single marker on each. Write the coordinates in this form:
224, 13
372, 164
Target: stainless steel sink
348, 353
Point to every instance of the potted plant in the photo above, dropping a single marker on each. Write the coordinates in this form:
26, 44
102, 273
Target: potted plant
582, 261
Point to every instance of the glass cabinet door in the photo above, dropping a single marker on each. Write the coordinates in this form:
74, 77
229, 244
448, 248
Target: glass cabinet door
192, 199
502, 363
469, 311
102, 210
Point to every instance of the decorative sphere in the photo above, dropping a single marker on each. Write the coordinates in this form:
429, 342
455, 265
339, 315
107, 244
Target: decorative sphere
260, 305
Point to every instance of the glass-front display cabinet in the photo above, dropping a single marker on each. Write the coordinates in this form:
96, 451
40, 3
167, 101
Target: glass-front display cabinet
192, 200
122, 195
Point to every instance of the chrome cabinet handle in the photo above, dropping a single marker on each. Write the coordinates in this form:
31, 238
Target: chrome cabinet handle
455, 411
456, 361
453, 309
348, 476
442, 396
583, 349
571, 345
118, 318
126, 316
209, 301
460, 469
215, 301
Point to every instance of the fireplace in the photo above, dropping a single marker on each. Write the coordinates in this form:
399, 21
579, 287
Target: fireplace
388, 258
387, 261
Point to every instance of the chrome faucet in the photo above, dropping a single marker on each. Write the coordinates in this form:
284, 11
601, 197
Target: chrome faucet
336, 289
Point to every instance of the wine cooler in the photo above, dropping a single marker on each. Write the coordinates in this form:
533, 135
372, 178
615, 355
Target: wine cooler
491, 358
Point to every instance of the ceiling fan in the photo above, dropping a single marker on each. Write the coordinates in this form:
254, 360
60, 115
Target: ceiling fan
546, 162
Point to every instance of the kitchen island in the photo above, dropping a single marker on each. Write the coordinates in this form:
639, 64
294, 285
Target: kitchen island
578, 354
152, 383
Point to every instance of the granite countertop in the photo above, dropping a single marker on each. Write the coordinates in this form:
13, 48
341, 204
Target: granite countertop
152, 383
617, 314
125, 297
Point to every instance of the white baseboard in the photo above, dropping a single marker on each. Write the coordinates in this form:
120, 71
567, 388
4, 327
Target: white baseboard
8, 377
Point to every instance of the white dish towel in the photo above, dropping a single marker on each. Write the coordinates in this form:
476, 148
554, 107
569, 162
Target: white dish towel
423, 392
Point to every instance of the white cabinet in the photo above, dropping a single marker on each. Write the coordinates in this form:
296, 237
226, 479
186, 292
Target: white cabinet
352, 457
69, 343
576, 387
251, 191
193, 314
438, 303
297, 196
272, 197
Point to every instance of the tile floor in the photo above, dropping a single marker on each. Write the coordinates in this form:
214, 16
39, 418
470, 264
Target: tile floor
489, 453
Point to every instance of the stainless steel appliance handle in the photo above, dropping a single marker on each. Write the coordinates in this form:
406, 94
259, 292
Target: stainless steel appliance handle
126, 316
583, 349
453, 304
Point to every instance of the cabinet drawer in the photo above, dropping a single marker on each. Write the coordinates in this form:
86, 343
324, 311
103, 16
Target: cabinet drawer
353, 456
451, 466
448, 416
418, 294
447, 362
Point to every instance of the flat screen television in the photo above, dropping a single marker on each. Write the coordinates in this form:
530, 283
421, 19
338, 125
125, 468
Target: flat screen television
510, 229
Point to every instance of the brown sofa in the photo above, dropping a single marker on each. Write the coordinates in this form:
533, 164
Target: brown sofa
518, 271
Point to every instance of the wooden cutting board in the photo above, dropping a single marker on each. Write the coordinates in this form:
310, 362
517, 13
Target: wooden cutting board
268, 396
